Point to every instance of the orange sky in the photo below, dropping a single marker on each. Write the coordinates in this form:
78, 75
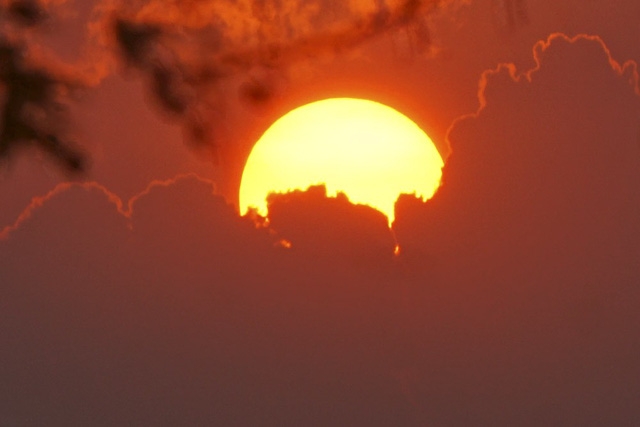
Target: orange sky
138, 295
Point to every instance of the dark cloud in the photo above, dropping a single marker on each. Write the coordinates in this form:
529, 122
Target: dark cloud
196, 310
513, 300
136, 41
255, 92
27, 12
176, 54
32, 107
184, 59
532, 240
322, 227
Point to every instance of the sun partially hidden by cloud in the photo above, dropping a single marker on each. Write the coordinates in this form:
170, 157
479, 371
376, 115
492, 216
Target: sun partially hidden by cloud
367, 150
513, 302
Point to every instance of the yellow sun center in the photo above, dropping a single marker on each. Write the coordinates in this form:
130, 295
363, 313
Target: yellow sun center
367, 150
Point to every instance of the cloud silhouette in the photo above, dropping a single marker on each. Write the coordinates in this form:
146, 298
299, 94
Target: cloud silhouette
318, 226
191, 50
194, 293
532, 240
32, 108
513, 300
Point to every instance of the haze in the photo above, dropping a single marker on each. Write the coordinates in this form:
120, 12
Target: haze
136, 295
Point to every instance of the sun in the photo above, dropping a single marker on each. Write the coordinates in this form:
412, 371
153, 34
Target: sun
365, 149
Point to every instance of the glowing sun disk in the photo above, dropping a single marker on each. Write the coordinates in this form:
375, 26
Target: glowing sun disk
362, 148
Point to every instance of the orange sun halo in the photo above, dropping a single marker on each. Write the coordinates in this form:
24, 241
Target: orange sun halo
362, 148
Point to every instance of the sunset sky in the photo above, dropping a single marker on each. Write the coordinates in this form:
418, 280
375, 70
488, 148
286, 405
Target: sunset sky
134, 293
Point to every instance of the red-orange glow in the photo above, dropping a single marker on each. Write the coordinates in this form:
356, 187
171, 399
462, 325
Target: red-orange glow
283, 243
